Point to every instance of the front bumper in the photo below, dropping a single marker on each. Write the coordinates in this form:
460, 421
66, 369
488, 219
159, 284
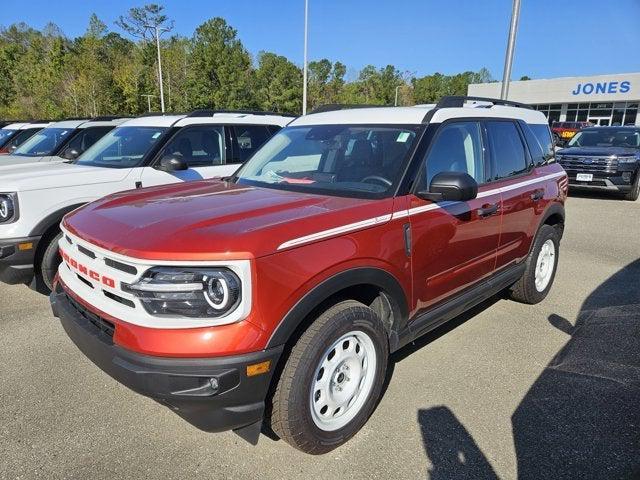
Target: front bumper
16, 265
621, 181
182, 384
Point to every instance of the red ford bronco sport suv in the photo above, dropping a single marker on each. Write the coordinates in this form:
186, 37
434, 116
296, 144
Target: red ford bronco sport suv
273, 298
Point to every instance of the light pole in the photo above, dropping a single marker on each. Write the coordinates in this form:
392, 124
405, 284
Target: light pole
304, 67
158, 30
148, 99
511, 44
395, 104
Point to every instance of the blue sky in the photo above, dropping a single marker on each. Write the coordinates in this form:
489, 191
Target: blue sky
556, 37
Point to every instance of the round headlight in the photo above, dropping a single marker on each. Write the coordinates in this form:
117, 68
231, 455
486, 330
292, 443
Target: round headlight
7, 208
222, 289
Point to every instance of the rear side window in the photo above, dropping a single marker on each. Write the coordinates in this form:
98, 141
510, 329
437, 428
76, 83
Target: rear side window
507, 151
200, 146
543, 134
249, 138
87, 137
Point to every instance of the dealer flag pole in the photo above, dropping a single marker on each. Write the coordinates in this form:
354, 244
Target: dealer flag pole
511, 44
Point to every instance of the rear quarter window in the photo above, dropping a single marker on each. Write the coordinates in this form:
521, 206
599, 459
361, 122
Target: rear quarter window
543, 135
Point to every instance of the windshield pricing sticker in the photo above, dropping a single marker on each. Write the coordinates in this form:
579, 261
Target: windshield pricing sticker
156, 135
403, 137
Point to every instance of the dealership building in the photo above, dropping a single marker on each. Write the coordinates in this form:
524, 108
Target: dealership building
602, 100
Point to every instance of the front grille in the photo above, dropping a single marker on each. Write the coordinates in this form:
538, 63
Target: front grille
86, 251
100, 323
119, 299
123, 267
589, 164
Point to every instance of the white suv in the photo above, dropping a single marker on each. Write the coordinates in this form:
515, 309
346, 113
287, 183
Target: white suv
141, 152
59, 141
15, 134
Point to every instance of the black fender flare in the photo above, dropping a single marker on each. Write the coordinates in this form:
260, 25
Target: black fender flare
377, 277
553, 209
52, 219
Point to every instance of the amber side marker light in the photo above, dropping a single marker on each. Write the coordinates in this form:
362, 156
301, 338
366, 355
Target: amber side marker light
258, 368
25, 246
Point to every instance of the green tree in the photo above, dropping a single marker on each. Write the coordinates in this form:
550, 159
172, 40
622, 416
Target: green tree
278, 84
37, 76
325, 82
176, 69
140, 22
374, 86
221, 70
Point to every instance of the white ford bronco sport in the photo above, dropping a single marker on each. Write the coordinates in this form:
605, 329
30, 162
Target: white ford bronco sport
141, 152
59, 141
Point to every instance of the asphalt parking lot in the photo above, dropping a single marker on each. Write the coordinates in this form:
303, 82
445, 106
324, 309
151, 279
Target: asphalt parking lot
508, 391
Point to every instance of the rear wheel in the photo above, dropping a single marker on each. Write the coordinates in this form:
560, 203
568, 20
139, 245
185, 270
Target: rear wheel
633, 194
332, 380
540, 268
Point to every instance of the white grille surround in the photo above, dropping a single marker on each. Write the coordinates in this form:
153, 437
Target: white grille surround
105, 281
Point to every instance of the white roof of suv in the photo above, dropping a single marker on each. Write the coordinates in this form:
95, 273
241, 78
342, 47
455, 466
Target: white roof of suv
86, 123
213, 117
25, 125
418, 114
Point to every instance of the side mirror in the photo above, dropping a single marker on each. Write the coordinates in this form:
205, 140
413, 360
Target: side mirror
70, 153
450, 187
172, 163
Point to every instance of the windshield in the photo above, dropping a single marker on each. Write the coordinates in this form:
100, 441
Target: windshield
123, 147
5, 134
344, 160
43, 143
606, 137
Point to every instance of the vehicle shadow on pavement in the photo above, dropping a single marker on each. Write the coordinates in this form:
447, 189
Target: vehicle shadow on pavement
443, 329
595, 194
581, 417
451, 449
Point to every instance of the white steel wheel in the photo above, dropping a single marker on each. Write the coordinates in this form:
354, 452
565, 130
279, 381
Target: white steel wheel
545, 265
343, 381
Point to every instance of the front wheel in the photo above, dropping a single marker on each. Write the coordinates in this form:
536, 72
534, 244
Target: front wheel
332, 380
48, 265
634, 193
540, 269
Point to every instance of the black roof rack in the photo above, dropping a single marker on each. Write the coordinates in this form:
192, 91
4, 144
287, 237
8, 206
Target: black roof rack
211, 112
157, 114
107, 118
456, 101
332, 107
452, 101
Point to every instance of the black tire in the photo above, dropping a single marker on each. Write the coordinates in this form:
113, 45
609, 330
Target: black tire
634, 193
290, 416
524, 290
48, 264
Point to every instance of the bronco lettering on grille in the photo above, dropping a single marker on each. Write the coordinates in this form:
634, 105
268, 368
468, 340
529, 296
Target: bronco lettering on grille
84, 270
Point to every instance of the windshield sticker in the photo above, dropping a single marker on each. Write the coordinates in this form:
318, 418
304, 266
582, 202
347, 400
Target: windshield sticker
403, 137
156, 135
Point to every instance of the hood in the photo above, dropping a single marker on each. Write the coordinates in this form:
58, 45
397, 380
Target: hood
598, 151
11, 160
48, 175
211, 219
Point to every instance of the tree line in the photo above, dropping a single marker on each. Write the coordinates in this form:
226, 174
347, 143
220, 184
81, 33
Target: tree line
44, 74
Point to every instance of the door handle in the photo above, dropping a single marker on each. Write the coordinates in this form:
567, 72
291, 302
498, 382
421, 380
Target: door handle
487, 210
537, 195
